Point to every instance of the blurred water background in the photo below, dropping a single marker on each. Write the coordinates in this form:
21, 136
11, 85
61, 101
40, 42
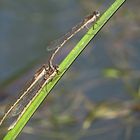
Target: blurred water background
98, 97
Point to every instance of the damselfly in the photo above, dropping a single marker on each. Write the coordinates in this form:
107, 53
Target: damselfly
44, 74
57, 44
41, 77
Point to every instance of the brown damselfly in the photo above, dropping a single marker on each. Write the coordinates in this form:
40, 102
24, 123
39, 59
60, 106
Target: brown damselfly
41, 77
57, 44
44, 74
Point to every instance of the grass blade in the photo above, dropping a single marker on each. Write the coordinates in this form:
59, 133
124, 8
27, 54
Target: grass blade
66, 63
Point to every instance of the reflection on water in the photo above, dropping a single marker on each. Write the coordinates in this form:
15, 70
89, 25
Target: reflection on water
101, 90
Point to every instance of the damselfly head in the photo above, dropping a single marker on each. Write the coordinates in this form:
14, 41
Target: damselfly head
92, 18
96, 13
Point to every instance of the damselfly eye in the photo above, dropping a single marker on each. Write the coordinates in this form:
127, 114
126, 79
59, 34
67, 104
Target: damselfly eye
97, 13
